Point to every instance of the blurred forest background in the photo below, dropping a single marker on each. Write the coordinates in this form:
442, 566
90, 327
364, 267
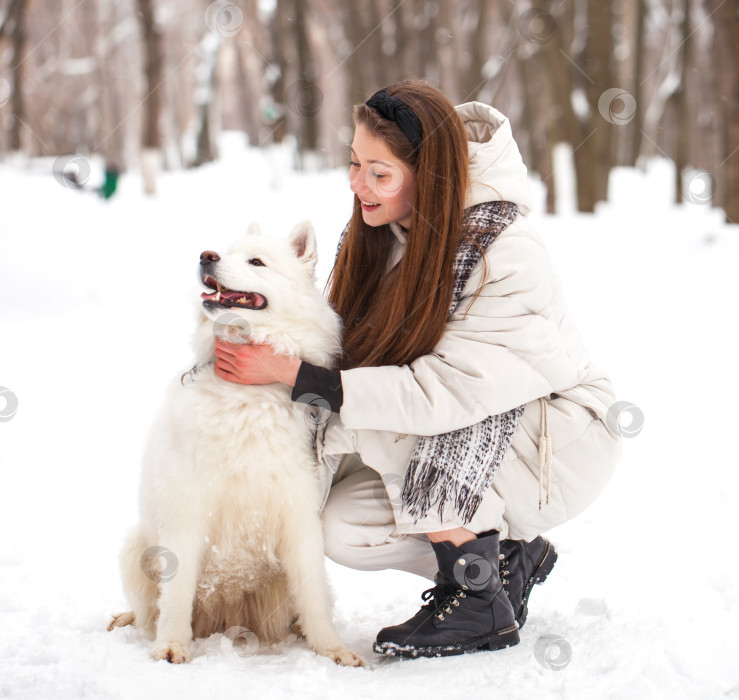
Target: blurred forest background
150, 84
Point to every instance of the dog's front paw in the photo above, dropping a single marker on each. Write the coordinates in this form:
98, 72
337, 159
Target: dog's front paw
174, 652
343, 656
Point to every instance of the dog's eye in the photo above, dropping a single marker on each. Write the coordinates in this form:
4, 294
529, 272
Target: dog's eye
257, 262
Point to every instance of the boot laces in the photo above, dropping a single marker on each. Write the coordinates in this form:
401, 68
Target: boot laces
503, 571
443, 598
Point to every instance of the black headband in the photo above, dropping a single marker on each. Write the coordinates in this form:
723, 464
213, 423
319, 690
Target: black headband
396, 110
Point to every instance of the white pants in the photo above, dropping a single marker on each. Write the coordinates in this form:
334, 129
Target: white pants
365, 527
359, 529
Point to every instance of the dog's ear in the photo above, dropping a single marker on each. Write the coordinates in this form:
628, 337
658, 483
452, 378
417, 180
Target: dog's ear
303, 241
253, 229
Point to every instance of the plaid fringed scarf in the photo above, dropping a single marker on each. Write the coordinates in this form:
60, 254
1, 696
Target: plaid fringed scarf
458, 467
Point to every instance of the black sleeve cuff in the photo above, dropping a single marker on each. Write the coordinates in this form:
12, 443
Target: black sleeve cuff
314, 383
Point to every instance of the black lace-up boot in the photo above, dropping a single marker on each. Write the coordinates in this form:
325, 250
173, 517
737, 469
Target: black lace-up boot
467, 610
522, 564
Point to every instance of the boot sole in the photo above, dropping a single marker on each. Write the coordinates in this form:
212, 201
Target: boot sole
542, 570
499, 640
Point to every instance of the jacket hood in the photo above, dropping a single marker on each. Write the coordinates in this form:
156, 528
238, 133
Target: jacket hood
497, 172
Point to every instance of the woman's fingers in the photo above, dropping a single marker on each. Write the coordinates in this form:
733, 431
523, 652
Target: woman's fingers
244, 364
226, 362
225, 373
254, 364
226, 349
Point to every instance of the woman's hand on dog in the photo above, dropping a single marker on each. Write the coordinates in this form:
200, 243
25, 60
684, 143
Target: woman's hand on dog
254, 364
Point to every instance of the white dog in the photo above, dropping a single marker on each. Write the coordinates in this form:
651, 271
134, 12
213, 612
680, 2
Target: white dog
230, 534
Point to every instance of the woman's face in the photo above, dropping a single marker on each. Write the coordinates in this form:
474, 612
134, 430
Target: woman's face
384, 184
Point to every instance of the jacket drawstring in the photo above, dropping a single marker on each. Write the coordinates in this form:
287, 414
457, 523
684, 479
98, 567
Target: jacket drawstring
545, 450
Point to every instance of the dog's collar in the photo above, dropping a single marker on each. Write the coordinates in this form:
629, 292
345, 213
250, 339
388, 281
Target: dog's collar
196, 369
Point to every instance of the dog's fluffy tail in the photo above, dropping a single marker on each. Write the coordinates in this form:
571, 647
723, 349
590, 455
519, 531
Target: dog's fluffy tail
268, 612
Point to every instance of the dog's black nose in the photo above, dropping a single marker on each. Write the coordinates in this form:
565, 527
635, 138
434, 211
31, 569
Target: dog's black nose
209, 256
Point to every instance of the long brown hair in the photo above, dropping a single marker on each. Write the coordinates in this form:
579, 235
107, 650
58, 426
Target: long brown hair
391, 319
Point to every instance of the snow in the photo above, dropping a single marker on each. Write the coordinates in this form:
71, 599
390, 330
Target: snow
97, 304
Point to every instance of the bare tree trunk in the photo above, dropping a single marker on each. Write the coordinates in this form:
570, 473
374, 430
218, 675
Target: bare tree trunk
726, 24
403, 48
450, 81
424, 37
282, 18
358, 80
473, 78
380, 73
563, 124
207, 80
663, 87
14, 25
710, 157
683, 123
597, 146
252, 45
249, 97
306, 96
110, 138
637, 124
538, 104
151, 137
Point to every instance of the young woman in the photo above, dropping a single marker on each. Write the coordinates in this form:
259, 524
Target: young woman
467, 418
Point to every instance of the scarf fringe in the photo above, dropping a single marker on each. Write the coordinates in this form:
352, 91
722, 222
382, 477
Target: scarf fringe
457, 468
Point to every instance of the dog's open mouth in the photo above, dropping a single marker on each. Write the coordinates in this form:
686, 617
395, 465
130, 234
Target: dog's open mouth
228, 297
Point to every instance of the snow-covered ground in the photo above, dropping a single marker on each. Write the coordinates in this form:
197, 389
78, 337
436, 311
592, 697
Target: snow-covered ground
96, 306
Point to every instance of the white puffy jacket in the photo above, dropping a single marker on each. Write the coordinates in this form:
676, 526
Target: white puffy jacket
515, 345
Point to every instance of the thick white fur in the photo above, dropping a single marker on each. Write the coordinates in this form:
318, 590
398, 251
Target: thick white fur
229, 486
